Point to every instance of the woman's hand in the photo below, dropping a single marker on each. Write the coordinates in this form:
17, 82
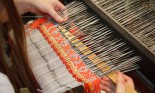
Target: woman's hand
108, 86
121, 80
42, 7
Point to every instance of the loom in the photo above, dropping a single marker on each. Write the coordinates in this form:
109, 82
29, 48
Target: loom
86, 47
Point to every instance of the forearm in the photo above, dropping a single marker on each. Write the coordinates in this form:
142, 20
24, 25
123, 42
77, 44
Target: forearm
23, 6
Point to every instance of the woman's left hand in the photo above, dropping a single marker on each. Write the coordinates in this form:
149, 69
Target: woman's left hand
42, 7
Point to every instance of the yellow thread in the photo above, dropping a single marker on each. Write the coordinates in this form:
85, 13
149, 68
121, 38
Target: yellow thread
90, 57
63, 54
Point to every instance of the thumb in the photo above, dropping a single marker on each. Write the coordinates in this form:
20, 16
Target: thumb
120, 84
55, 15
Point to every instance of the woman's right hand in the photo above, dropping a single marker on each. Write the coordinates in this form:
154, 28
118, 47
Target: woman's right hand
108, 86
120, 83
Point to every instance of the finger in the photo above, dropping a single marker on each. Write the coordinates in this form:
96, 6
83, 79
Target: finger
62, 9
105, 83
54, 15
120, 88
60, 6
105, 78
118, 72
106, 89
63, 14
128, 80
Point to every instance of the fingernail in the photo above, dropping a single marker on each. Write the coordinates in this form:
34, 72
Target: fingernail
61, 19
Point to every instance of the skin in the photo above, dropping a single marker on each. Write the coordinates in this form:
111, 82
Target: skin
108, 86
52, 8
39, 7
